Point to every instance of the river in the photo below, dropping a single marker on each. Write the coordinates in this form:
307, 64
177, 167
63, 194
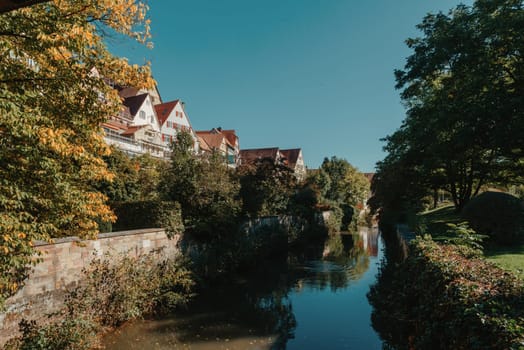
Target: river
312, 300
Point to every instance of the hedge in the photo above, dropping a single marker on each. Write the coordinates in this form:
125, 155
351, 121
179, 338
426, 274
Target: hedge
148, 214
496, 214
439, 299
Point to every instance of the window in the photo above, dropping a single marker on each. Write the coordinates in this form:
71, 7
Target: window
151, 118
142, 114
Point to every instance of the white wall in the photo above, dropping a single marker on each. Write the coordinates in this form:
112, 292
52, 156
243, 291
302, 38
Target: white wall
150, 115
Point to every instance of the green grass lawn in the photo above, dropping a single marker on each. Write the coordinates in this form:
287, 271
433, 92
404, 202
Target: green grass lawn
510, 258
435, 221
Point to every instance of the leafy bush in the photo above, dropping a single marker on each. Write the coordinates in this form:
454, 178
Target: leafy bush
466, 239
116, 289
498, 215
69, 333
148, 214
437, 298
334, 220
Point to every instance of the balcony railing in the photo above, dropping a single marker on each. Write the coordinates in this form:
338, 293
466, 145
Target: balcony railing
135, 147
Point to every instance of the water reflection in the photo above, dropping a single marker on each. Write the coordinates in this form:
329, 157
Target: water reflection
291, 302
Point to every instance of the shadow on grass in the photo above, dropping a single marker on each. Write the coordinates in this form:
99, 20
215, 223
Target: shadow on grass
436, 221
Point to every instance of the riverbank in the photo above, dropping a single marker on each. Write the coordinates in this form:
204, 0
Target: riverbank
447, 284
308, 298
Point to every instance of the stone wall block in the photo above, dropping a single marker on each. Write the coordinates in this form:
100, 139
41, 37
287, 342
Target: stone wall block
61, 268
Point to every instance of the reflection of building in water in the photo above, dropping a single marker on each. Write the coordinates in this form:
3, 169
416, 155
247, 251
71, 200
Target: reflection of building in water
370, 239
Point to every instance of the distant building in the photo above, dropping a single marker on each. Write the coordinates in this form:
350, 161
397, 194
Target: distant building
254, 155
291, 158
136, 129
173, 119
369, 176
225, 142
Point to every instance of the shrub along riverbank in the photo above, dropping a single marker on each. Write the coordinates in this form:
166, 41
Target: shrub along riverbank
445, 297
116, 289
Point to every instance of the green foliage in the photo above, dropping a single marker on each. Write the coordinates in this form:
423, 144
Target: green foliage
131, 288
340, 186
148, 214
347, 184
51, 109
135, 178
266, 189
466, 239
498, 215
206, 189
67, 334
464, 121
334, 220
116, 289
438, 291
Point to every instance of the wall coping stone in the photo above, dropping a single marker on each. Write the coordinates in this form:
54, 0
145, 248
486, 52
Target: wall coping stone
100, 236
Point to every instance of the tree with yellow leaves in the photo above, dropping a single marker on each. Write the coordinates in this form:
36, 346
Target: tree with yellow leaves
54, 68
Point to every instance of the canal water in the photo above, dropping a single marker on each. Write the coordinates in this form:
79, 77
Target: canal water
312, 300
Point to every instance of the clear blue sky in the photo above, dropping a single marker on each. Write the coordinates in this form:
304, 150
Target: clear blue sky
314, 74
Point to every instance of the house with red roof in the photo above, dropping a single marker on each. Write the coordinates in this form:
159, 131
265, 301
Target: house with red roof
225, 142
291, 158
173, 119
136, 129
254, 155
294, 160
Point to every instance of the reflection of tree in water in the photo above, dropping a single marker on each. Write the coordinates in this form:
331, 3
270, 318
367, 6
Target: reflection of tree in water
261, 302
394, 331
343, 259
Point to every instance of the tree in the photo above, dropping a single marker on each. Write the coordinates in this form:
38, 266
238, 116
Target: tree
52, 102
206, 189
266, 188
462, 87
347, 184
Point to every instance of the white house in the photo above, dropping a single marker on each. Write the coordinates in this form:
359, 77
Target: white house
136, 129
173, 119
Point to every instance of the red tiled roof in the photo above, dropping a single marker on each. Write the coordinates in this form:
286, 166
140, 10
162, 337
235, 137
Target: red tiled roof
114, 125
369, 176
211, 139
251, 155
134, 103
291, 156
164, 110
133, 129
203, 144
231, 137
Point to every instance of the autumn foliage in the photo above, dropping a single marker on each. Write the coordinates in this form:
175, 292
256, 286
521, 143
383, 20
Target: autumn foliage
54, 69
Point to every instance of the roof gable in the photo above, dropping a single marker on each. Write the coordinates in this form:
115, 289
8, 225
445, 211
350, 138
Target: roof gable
164, 110
252, 155
211, 139
291, 156
134, 103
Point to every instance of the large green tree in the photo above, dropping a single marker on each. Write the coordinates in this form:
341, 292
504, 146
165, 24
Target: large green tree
347, 185
266, 188
52, 102
463, 87
206, 189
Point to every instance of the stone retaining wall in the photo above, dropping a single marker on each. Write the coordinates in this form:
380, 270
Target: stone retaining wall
61, 268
